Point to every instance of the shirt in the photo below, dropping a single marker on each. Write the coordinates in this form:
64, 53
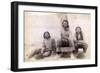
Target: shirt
47, 43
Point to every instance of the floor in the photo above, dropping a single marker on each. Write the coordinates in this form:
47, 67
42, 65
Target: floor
55, 57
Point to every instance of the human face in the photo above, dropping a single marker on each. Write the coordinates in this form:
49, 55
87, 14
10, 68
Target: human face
65, 26
47, 35
78, 29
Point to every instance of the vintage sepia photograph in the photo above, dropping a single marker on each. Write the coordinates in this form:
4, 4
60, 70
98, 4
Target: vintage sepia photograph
52, 36
56, 36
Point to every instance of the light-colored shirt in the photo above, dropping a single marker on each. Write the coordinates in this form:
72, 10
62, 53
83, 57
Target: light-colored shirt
47, 43
65, 34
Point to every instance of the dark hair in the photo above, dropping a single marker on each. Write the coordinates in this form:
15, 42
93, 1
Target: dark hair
78, 27
81, 34
46, 37
66, 22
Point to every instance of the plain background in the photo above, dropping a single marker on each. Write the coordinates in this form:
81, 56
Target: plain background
36, 23
5, 33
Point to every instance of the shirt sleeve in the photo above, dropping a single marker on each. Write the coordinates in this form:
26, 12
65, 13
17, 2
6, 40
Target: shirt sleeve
43, 44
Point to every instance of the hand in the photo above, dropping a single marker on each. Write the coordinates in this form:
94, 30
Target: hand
80, 41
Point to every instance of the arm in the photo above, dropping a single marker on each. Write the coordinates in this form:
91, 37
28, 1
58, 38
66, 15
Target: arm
66, 35
44, 46
53, 43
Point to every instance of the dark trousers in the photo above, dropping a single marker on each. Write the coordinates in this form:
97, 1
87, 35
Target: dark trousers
80, 45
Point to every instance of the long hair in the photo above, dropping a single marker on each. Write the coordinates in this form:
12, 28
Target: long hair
80, 33
45, 36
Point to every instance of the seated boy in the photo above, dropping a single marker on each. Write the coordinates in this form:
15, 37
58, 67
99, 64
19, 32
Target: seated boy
65, 40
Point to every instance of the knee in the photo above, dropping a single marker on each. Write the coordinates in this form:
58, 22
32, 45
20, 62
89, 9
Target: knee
85, 46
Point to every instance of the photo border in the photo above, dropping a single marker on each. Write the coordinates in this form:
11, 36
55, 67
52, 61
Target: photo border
14, 35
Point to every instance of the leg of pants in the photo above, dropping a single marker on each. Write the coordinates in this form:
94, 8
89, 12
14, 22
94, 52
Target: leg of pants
47, 52
81, 45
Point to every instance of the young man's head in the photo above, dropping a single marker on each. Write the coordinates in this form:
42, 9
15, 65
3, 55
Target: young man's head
46, 35
78, 29
65, 25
